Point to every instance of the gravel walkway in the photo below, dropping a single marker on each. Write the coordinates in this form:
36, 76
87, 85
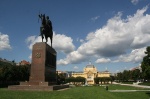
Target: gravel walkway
133, 85
127, 90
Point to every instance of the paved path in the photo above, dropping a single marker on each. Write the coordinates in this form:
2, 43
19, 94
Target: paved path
140, 86
63, 89
133, 85
127, 90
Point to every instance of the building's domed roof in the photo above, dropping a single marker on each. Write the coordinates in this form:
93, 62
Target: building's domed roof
90, 66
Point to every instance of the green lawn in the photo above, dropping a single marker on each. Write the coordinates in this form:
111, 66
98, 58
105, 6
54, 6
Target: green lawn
91, 92
145, 83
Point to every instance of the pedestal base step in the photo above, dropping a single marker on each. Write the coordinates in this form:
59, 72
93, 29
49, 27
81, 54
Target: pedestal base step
37, 88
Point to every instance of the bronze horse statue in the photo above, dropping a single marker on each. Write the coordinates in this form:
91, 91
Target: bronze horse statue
46, 28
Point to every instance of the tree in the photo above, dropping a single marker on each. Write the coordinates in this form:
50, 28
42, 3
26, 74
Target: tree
102, 80
126, 75
76, 80
61, 78
112, 78
2, 64
70, 79
136, 74
145, 65
15, 73
96, 80
119, 76
80, 79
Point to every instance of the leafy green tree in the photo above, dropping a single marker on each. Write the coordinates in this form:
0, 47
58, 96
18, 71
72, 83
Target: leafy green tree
61, 78
126, 75
136, 74
74, 80
80, 79
15, 73
2, 64
70, 79
112, 78
120, 76
145, 65
97, 80
102, 80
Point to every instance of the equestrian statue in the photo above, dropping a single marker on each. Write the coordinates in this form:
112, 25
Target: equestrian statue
46, 29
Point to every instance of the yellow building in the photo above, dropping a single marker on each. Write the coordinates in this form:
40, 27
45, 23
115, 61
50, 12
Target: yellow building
90, 72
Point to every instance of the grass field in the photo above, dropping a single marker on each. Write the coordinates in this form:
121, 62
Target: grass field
90, 92
145, 83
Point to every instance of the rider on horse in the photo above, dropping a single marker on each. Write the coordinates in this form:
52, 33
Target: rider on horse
48, 22
46, 28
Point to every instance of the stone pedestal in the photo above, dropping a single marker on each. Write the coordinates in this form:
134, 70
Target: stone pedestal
43, 70
43, 67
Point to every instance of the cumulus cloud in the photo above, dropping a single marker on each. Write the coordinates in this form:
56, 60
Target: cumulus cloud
32, 40
62, 62
118, 35
134, 2
73, 57
136, 55
103, 60
115, 38
4, 42
61, 43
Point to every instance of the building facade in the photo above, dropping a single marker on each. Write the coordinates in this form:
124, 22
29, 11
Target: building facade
90, 72
24, 62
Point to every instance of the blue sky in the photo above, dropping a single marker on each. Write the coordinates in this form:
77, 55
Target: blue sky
112, 34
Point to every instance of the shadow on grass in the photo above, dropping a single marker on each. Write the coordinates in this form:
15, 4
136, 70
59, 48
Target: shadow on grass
148, 93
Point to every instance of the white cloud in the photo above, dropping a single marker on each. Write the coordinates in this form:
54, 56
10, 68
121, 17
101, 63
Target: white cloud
62, 62
80, 40
90, 36
76, 67
116, 38
118, 35
61, 42
134, 2
73, 57
32, 40
4, 42
103, 60
136, 55
95, 18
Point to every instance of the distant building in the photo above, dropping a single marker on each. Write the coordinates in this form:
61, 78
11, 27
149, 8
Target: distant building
64, 74
24, 62
90, 72
138, 67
